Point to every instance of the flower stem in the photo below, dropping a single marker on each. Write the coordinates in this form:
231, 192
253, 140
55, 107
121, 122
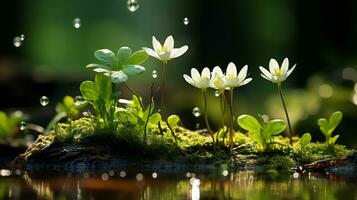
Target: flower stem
136, 95
223, 112
150, 112
231, 120
286, 112
162, 100
206, 117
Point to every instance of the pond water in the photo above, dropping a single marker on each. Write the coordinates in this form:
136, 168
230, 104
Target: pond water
156, 186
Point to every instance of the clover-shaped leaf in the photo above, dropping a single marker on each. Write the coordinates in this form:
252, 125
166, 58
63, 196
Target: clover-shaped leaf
249, 123
173, 120
305, 140
123, 55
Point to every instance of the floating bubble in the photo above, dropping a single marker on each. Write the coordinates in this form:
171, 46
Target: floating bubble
154, 175
196, 112
133, 5
216, 93
139, 177
44, 101
188, 174
22, 125
186, 21
154, 74
77, 23
105, 177
79, 100
111, 173
325, 91
22, 37
17, 41
225, 173
122, 174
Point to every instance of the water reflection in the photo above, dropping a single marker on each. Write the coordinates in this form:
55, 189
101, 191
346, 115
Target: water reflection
241, 185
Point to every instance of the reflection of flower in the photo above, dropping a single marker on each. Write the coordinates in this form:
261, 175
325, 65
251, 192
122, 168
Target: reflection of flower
165, 52
199, 81
276, 74
232, 79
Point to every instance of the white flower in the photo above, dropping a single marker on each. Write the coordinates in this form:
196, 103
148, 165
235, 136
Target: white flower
217, 80
165, 52
276, 74
199, 81
232, 79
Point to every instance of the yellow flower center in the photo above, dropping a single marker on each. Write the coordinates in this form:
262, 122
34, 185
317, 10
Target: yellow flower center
277, 72
163, 49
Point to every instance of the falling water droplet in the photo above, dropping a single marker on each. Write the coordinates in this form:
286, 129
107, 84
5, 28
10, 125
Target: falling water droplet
44, 101
216, 93
77, 23
122, 174
22, 125
154, 175
79, 100
186, 21
22, 37
196, 112
154, 74
17, 41
139, 177
133, 5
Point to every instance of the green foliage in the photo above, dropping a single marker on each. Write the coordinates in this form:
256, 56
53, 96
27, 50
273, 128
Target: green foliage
328, 126
9, 123
173, 121
101, 96
305, 140
261, 132
121, 66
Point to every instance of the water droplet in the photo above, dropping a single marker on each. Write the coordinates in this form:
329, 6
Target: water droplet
154, 175
216, 93
296, 175
105, 177
225, 173
122, 174
133, 5
44, 101
196, 112
22, 37
22, 125
154, 74
17, 41
5, 172
188, 174
186, 21
77, 23
111, 173
79, 100
139, 177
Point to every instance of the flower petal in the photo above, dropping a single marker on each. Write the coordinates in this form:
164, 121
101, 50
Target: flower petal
195, 75
156, 44
285, 66
206, 73
265, 72
151, 52
246, 81
269, 79
243, 73
231, 71
273, 65
169, 43
291, 70
178, 51
189, 80
217, 71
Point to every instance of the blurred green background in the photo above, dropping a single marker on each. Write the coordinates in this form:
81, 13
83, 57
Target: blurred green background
319, 36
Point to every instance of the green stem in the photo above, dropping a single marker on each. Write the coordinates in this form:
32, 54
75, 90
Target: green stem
231, 120
150, 112
135, 94
286, 112
206, 117
222, 105
162, 100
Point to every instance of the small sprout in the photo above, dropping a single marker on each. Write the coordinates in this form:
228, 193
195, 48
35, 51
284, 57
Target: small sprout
305, 140
173, 120
328, 126
259, 131
167, 51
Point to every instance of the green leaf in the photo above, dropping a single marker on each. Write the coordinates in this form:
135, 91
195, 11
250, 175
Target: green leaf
104, 85
147, 111
101, 70
106, 56
333, 139
249, 123
275, 127
155, 118
335, 119
89, 90
324, 125
123, 55
257, 137
305, 140
137, 58
173, 120
95, 65
133, 70
68, 101
118, 77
